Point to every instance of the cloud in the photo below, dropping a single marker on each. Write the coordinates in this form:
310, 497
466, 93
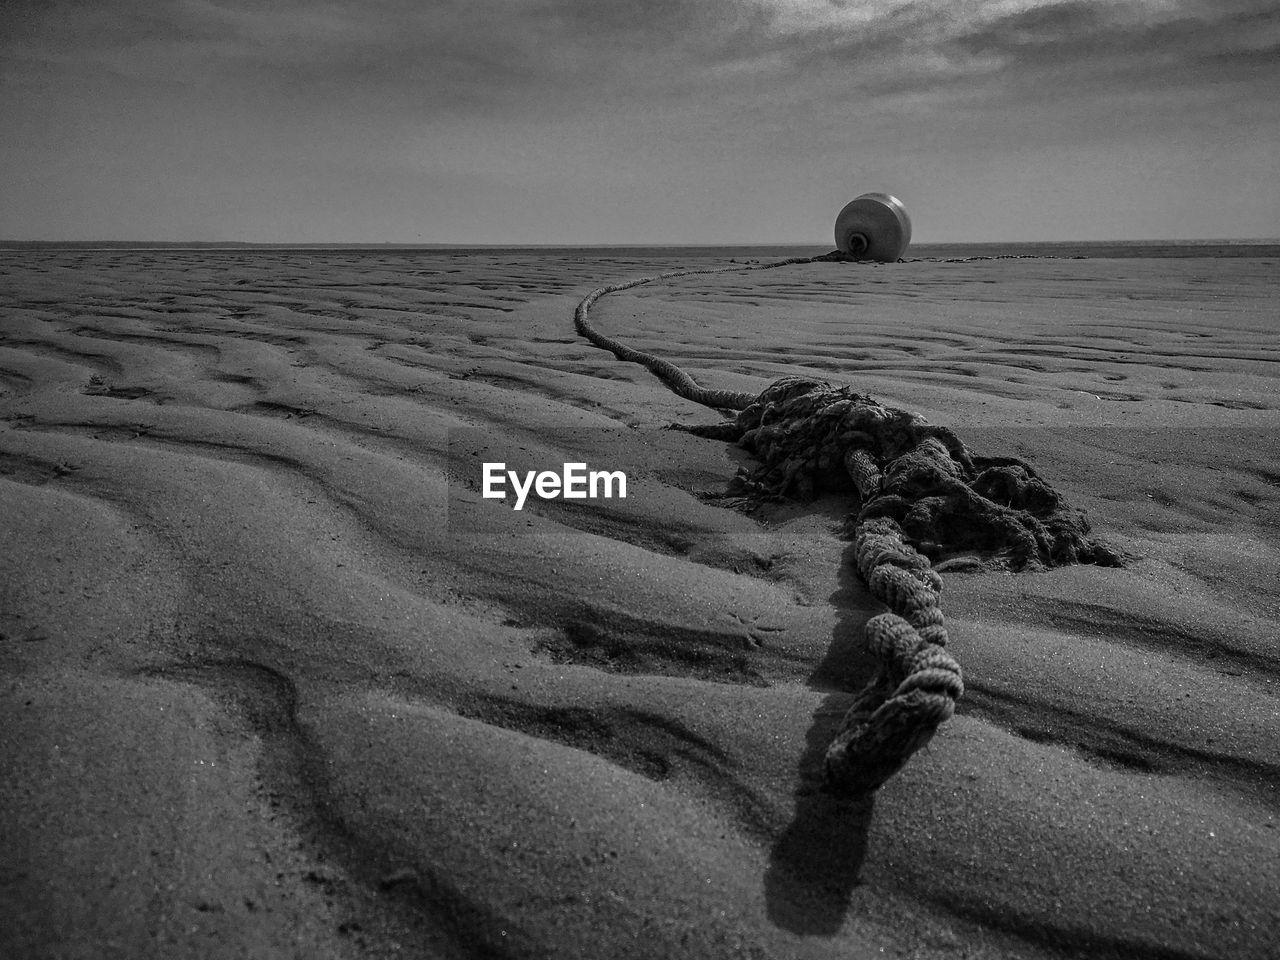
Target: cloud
593, 100
1034, 49
574, 51
1149, 44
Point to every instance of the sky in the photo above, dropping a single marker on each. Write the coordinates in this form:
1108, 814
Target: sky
636, 121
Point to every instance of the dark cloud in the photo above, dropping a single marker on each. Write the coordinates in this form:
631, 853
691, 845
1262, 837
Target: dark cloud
64, 29
1099, 44
1074, 23
571, 51
1049, 50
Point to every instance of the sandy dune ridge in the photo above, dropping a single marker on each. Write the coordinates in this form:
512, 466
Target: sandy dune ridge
278, 681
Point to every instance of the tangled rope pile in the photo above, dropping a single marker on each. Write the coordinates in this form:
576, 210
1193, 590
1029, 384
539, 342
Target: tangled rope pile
958, 509
926, 504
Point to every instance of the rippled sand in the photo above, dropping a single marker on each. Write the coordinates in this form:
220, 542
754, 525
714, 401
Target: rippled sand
278, 681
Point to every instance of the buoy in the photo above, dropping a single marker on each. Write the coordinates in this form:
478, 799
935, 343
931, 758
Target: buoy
874, 226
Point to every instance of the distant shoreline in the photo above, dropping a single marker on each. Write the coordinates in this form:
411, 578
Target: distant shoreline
1091, 249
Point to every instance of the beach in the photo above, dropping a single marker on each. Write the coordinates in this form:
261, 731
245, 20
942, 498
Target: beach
279, 680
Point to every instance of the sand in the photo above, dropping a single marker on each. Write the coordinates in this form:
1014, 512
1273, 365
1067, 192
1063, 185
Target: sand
279, 682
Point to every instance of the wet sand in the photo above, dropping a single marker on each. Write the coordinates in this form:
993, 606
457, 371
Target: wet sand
278, 681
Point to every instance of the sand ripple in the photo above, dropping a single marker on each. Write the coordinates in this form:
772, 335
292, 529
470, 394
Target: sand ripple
279, 681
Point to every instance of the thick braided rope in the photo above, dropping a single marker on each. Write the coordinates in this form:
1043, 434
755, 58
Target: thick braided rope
916, 684
918, 486
922, 495
679, 381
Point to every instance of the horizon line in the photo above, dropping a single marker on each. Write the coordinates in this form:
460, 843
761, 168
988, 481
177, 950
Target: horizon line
463, 245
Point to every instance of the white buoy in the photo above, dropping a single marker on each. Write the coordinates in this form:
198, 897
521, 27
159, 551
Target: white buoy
874, 226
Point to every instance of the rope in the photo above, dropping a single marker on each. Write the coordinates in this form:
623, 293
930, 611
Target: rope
926, 505
916, 684
679, 381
